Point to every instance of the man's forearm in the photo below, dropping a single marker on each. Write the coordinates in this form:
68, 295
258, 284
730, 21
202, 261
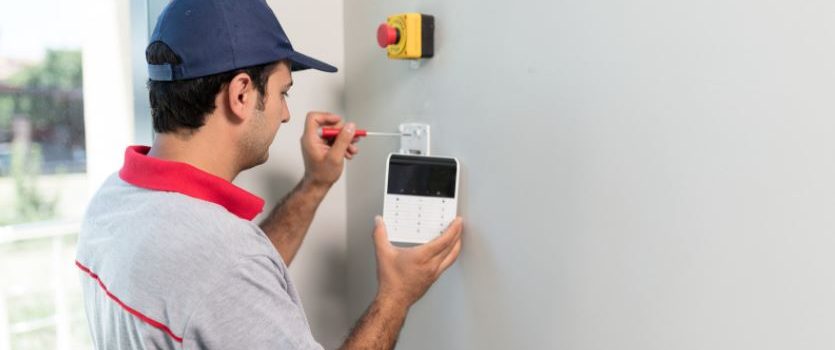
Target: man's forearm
287, 224
379, 327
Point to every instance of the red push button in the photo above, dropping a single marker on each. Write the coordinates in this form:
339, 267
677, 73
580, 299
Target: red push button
387, 35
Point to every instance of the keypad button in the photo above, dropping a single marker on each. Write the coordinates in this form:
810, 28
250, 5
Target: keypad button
410, 214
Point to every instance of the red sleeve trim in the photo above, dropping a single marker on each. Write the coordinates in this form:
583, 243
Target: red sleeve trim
129, 309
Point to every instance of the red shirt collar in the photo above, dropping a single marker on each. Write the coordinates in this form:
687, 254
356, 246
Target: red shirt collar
161, 175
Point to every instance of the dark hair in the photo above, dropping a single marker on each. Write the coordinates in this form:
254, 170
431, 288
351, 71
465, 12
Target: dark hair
183, 104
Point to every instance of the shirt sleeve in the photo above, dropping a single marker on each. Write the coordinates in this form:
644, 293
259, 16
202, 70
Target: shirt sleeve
251, 309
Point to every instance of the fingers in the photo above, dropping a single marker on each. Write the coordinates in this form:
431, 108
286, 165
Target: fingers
315, 120
340, 146
352, 151
446, 251
445, 240
450, 258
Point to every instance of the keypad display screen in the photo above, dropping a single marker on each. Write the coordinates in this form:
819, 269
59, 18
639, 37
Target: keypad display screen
422, 176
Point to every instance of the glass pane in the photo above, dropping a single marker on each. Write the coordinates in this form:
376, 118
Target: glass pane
42, 151
43, 185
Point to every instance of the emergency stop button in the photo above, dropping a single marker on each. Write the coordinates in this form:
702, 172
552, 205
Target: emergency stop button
387, 35
408, 36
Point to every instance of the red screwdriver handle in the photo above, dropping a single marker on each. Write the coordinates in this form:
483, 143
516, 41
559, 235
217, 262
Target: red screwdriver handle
329, 133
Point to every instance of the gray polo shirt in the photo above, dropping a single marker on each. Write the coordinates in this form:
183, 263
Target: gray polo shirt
170, 259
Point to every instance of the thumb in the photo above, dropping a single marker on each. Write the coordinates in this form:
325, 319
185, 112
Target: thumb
343, 140
381, 237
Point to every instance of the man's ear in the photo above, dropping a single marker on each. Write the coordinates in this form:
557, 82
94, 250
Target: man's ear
242, 95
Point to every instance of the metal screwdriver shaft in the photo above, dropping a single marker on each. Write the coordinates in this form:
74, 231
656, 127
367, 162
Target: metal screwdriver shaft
373, 133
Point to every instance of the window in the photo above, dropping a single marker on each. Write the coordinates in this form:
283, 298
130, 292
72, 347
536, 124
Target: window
43, 180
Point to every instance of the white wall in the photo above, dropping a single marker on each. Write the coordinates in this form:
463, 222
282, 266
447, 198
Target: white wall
648, 174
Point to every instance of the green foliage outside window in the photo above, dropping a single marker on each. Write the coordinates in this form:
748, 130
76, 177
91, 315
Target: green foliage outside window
48, 95
51, 94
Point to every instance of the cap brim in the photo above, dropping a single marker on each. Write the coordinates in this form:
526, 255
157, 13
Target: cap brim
302, 62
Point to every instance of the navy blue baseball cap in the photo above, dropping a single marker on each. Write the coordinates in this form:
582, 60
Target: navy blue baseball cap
216, 36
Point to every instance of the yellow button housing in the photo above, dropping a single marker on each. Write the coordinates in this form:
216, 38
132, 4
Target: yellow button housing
416, 36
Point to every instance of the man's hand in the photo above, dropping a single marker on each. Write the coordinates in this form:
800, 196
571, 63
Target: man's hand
323, 160
405, 274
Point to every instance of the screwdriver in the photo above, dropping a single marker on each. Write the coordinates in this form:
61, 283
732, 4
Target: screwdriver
329, 133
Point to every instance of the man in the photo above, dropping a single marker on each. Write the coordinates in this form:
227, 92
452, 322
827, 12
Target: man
169, 256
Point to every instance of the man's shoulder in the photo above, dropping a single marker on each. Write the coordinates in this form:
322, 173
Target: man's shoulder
162, 252
166, 237
116, 197
121, 205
